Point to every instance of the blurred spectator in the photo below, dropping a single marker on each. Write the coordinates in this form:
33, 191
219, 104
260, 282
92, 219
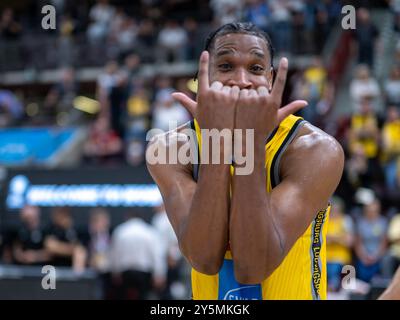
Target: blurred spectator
137, 259
371, 242
171, 247
99, 239
364, 86
63, 243
10, 29
59, 100
103, 144
65, 42
392, 88
281, 25
365, 36
315, 81
146, 40
167, 113
339, 239
29, 248
101, 15
172, 41
226, 11
391, 146
126, 35
11, 109
364, 130
258, 13
194, 43
321, 29
105, 82
300, 40
392, 260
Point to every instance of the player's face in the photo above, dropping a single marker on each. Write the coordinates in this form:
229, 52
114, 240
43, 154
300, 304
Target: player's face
242, 60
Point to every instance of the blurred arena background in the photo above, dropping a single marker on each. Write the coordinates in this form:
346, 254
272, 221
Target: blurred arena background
76, 103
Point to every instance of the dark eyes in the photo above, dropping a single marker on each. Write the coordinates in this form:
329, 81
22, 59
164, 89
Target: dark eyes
224, 66
253, 68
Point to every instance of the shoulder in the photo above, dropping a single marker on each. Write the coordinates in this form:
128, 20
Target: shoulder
311, 144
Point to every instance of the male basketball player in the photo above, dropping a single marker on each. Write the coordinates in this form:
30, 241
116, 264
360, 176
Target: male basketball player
259, 235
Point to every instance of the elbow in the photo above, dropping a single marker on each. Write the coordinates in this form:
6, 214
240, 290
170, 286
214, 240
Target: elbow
203, 260
209, 268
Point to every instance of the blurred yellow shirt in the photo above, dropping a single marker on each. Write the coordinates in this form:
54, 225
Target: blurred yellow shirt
335, 252
394, 234
369, 144
391, 138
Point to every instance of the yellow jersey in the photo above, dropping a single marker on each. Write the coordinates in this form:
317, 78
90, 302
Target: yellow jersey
302, 274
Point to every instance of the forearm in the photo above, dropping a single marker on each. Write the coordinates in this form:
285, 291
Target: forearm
255, 242
58, 248
204, 233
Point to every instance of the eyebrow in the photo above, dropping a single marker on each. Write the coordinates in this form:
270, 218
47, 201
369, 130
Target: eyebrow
226, 51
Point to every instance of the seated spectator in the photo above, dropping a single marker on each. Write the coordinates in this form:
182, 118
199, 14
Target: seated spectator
392, 88
137, 259
172, 41
28, 247
63, 243
364, 130
392, 259
339, 242
173, 254
364, 87
391, 146
371, 241
103, 144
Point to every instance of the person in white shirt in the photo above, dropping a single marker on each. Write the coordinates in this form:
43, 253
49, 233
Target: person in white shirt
137, 259
364, 86
173, 254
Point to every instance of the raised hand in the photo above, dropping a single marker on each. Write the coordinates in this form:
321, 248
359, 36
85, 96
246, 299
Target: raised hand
215, 105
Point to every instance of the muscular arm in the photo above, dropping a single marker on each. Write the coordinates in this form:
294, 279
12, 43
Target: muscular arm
264, 227
198, 211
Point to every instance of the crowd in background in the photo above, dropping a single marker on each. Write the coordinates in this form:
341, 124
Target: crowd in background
363, 231
136, 259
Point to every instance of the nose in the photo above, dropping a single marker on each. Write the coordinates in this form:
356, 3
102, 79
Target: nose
241, 79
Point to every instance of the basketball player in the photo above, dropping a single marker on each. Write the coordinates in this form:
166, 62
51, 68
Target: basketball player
259, 235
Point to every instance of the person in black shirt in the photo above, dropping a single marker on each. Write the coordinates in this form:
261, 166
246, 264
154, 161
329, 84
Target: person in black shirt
28, 247
63, 243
